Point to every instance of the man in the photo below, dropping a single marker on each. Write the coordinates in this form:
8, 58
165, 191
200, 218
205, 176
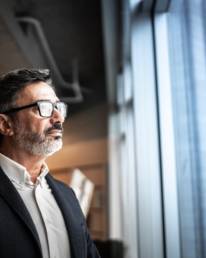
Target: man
39, 216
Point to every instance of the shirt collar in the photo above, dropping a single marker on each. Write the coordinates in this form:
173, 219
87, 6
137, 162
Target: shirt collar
18, 173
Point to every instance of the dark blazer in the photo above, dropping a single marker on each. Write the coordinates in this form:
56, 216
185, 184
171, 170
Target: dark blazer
18, 235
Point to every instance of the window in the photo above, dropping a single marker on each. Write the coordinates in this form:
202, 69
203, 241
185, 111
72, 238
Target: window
184, 27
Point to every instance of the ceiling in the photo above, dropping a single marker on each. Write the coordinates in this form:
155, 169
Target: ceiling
72, 30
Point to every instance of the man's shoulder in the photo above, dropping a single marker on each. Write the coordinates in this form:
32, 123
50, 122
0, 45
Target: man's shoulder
61, 185
65, 190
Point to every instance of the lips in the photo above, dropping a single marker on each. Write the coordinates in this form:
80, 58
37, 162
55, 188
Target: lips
55, 132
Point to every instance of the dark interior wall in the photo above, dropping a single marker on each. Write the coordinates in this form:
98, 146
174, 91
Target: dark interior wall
11, 56
73, 30
89, 124
74, 33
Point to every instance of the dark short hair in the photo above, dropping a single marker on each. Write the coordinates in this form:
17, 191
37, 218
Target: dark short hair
13, 82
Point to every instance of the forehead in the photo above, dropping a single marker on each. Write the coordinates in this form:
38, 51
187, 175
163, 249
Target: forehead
36, 91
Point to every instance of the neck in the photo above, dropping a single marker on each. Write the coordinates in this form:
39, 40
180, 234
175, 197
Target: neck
32, 163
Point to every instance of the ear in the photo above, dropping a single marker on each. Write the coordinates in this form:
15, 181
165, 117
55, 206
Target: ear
5, 125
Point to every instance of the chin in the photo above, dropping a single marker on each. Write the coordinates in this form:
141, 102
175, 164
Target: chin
46, 148
53, 151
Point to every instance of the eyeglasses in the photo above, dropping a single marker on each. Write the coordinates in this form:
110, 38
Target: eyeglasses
45, 108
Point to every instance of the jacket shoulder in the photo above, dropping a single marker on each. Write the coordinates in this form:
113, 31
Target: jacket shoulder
61, 185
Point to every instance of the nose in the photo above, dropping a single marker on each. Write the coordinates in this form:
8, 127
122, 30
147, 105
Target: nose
57, 117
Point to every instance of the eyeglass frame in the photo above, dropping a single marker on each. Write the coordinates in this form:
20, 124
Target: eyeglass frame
54, 105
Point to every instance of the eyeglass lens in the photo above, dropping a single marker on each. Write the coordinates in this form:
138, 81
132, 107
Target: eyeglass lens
62, 108
46, 108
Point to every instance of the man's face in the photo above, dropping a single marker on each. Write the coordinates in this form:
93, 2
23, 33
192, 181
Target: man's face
32, 133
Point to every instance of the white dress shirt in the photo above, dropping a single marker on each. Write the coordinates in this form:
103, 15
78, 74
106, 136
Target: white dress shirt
42, 207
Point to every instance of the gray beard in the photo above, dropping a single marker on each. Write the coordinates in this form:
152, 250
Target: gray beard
36, 145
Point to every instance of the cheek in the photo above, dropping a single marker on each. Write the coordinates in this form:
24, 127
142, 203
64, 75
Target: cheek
39, 127
18, 126
21, 122
31, 124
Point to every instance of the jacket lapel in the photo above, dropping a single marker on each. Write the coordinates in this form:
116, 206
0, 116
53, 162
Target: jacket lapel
72, 221
14, 200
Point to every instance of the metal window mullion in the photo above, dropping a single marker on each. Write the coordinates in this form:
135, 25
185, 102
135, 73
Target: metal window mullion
170, 195
149, 210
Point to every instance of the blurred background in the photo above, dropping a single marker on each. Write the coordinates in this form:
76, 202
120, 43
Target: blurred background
134, 76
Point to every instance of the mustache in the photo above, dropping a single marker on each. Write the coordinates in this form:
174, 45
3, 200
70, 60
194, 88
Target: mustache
56, 126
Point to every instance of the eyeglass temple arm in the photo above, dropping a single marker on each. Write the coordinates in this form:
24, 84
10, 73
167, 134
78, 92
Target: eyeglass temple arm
19, 108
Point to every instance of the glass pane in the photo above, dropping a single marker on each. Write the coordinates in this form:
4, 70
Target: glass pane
187, 45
